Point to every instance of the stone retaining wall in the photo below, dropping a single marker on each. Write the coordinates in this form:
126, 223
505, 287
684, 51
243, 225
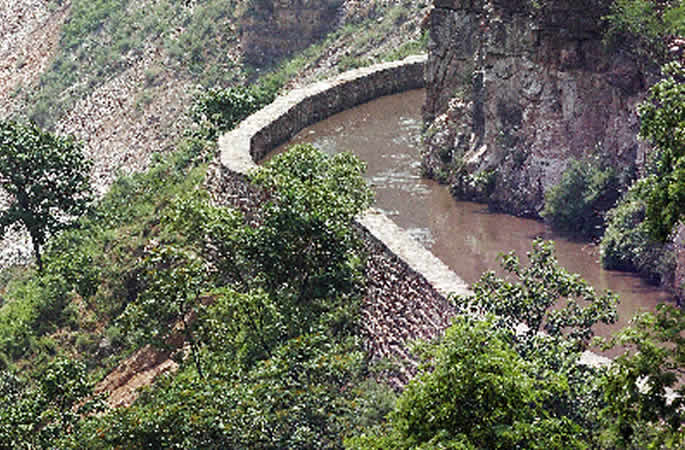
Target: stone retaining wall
407, 284
281, 120
278, 122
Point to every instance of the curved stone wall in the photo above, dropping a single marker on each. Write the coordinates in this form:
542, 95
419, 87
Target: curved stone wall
281, 120
407, 288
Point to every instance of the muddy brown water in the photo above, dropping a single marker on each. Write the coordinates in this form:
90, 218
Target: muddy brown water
386, 134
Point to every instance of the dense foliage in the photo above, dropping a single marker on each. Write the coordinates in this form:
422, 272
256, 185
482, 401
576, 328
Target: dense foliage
647, 23
494, 381
476, 391
643, 387
273, 359
663, 123
48, 414
268, 319
218, 110
269, 323
627, 244
584, 193
47, 178
274, 362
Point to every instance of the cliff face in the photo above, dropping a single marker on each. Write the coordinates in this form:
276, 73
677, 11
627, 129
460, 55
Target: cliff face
515, 90
272, 29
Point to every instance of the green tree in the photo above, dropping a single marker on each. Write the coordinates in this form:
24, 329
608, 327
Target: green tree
219, 234
219, 110
46, 178
173, 281
239, 287
507, 373
242, 328
306, 243
301, 242
642, 388
47, 413
550, 313
663, 123
584, 193
475, 391
301, 397
628, 245
542, 296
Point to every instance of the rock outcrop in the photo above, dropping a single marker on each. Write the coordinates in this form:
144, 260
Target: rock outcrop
272, 29
521, 89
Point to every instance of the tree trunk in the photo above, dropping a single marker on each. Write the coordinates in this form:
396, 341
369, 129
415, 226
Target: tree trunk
36, 251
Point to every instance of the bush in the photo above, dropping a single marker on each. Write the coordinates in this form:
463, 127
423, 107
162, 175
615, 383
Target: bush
578, 203
36, 309
626, 243
219, 110
662, 119
475, 391
647, 21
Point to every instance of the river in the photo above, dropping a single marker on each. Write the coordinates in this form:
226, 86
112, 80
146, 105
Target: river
386, 134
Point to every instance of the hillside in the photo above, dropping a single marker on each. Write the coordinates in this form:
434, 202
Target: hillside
192, 306
121, 76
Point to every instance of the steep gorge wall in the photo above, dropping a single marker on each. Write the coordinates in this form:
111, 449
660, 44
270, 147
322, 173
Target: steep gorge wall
515, 91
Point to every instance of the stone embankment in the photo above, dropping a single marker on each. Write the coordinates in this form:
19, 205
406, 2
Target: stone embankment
407, 285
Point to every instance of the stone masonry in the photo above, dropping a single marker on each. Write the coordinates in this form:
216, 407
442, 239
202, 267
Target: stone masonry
407, 285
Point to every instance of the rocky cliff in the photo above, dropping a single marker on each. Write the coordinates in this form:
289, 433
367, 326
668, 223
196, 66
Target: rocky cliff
272, 29
521, 87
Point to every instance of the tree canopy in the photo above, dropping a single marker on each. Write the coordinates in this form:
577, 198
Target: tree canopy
491, 383
663, 123
47, 180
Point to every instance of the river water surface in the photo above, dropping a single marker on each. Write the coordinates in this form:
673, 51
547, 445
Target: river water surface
386, 134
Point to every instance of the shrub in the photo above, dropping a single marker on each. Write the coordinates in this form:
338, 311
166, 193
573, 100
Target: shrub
36, 309
626, 243
647, 21
579, 201
475, 391
218, 110
662, 123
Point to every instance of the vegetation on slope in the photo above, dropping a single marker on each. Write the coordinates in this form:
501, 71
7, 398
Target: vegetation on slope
578, 203
103, 38
260, 312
